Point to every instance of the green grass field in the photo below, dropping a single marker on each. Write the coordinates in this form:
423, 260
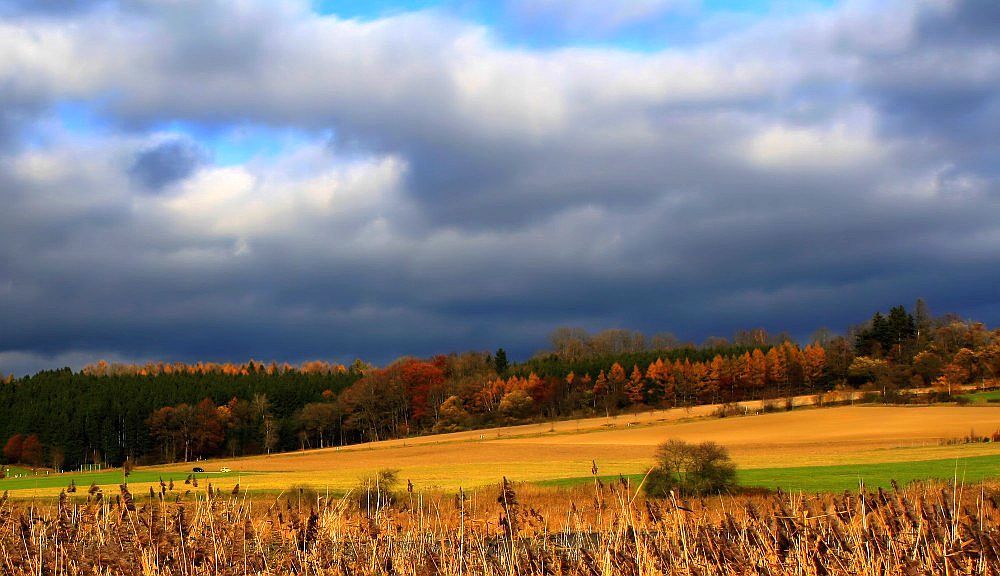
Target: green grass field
991, 396
16, 470
83, 480
845, 477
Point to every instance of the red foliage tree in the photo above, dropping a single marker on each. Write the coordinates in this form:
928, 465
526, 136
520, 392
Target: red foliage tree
12, 450
209, 430
423, 383
32, 452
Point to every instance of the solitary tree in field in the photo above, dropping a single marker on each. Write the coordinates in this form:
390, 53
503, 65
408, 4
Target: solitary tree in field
692, 469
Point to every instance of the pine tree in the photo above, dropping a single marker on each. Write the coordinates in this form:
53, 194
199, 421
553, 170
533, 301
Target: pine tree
500, 363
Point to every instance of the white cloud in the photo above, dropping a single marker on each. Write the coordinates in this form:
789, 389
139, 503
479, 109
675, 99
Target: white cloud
835, 148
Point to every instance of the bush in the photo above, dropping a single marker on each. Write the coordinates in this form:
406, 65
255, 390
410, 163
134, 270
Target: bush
379, 490
690, 469
729, 409
768, 406
300, 496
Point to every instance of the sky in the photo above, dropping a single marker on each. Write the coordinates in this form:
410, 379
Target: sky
221, 180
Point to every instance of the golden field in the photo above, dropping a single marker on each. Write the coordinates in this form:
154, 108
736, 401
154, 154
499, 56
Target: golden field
805, 437
808, 436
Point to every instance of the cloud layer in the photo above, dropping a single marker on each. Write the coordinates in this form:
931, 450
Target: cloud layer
247, 178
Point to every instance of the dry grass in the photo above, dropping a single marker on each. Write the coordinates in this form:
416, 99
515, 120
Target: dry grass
599, 530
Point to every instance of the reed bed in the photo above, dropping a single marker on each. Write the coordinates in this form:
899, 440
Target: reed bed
509, 530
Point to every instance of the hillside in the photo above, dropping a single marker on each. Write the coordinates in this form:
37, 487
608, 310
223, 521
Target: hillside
805, 437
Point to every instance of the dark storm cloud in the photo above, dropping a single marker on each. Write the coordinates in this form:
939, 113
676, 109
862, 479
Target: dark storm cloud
944, 86
964, 21
166, 163
799, 174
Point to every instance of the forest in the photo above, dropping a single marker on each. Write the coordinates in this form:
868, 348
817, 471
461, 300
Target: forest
107, 414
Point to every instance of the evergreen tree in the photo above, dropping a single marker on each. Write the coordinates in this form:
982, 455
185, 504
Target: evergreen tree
901, 328
500, 362
922, 318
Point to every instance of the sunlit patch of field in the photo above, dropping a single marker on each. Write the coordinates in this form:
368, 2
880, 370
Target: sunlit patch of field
623, 445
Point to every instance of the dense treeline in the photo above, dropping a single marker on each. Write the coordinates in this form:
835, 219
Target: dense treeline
103, 416
553, 364
107, 413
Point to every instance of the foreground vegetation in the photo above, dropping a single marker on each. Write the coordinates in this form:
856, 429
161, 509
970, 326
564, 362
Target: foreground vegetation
601, 529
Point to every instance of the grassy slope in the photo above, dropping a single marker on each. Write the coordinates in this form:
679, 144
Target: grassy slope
85, 479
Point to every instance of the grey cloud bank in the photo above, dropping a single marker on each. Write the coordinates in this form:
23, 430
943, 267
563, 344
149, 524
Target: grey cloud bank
795, 174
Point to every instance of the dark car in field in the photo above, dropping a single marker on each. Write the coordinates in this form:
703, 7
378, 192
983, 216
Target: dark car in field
197, 469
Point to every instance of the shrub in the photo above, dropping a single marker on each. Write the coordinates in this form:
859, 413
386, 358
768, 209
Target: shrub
299, 496
729, 409
768, 406
690, 469
379, 490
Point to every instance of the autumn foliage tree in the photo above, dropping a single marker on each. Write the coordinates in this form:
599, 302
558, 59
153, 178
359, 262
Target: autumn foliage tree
453, 416
195, 431
423, 383
318, 420
12, 449
635, 390
32, 452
